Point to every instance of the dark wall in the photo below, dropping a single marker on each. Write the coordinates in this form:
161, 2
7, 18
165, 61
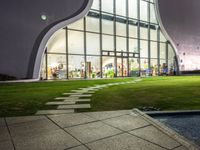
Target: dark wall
181, 20
21, 26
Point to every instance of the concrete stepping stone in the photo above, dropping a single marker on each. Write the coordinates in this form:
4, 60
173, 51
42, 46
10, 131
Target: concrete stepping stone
78, 100
66, 98
76, 106
61, 103
84, 95
79, 93
54, 112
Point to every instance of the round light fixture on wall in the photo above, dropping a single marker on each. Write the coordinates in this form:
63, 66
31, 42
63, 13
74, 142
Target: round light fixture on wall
44, 17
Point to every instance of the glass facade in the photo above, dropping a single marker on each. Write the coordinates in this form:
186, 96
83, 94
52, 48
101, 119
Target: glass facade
117, 38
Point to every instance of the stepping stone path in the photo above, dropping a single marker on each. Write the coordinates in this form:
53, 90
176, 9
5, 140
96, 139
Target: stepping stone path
70, 101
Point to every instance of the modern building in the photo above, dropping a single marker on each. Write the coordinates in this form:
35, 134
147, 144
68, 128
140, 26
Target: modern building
95, 39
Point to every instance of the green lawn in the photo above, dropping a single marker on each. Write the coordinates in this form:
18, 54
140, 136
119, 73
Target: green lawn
166, 93
18, 99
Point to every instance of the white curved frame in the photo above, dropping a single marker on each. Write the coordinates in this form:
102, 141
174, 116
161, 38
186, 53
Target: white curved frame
165, 32
40, 53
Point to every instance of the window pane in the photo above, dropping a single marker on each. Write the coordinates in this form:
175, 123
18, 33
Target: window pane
93, 67
154, 50
78, 25
162, 38
107, 26
107, 6
75, 42
57, 43
153, 35
121, 7
93, 44
92, 24
95, 4
56, 66
143, 48
162, 50
152, 14
121, 29
143, 33
43, 70
144, 67
121, 44
154, 67
133, 45
143, 11
133, 67
76, 66
133, 31
108, 67
132, 4
107, 42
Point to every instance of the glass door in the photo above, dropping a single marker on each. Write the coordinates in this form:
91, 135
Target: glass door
122, 67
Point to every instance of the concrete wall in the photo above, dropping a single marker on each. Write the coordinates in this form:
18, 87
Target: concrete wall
181, 20
22, 30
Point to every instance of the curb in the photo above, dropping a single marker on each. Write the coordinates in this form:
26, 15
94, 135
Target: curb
179, 138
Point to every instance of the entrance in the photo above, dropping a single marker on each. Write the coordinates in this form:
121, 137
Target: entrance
122, 67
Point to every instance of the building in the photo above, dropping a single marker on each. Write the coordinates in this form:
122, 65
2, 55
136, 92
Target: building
94, 39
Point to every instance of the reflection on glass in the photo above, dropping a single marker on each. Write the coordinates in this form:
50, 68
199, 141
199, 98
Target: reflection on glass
93, 67
154, 67
121, 44
132, 8
108, 42
133, 31
56, 66
152, 14
92, 44
75, 42
162, 51
76, 66
133, 46
121, 7
95, 4
154, 50
107, 27
43, 71
92, 24
121, 29
57, 43
133, 67
143, 33
144, 67
143, 11
107, 6
143, 48
78, 25
108, 67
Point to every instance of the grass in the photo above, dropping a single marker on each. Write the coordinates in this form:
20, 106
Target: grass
17, 99
166, 93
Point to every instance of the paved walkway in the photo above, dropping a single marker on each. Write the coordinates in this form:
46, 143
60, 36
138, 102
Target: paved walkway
114, 130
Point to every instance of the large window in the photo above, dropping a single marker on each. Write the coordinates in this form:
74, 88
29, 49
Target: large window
75, 42
76, 66
116, 38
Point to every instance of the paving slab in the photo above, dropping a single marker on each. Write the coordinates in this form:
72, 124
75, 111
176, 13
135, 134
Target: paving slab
76, 106
79, 93
180, 148
79, 100
123, 142
156, 136
61, 103
127, 122
83, 95
53, 140
68, 120
2, 122
107, 114
6, 145
92, 131
16, 120
54, 112
79, 148
30, 129
4, 134
68, 98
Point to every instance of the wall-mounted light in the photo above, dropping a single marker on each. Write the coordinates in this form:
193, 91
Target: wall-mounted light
43, 17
